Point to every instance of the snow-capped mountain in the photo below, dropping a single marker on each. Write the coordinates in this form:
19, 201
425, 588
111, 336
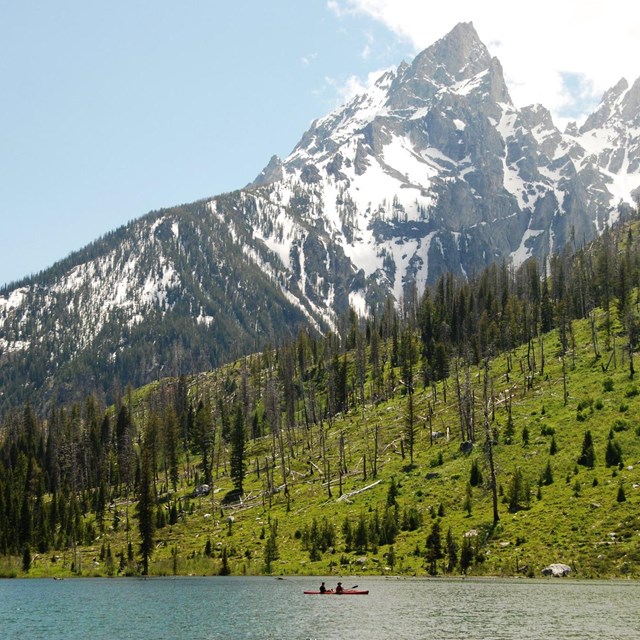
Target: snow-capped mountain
434, 169
431, 170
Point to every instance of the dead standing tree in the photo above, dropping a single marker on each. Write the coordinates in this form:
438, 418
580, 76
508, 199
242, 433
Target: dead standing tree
489, 443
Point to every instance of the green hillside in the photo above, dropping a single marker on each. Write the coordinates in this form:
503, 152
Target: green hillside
370, 454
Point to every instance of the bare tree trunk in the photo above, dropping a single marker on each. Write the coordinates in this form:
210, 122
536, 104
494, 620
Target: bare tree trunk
489, 440
375, 449
594, 335
460, 409
565, 393
325, 459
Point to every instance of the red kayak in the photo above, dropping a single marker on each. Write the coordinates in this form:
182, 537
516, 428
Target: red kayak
344, 592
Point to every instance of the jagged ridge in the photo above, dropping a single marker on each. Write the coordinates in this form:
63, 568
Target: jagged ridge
432, 170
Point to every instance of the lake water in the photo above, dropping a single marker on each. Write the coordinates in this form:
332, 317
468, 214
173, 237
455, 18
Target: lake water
276, 609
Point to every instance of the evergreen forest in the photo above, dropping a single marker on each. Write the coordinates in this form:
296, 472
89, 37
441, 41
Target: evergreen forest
485, 426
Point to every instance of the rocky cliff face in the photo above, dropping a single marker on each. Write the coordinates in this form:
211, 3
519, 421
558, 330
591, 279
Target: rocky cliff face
434, 170
431, 170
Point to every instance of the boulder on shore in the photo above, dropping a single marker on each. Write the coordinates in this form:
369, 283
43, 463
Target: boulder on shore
557, 570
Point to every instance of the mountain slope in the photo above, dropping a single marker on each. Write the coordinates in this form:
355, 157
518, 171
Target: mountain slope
432, 170
171, 293
343, 496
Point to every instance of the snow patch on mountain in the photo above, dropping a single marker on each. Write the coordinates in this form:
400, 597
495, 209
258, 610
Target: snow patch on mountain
468, 85
431, 170
14, 300
523, 252
406, 161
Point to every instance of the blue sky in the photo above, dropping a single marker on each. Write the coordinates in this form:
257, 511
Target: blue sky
110, 110
114, 111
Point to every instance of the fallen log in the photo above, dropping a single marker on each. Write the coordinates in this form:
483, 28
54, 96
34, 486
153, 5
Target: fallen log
345, 496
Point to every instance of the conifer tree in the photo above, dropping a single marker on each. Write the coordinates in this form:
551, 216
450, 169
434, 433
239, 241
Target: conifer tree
434, 547
392, 492
203, 432
468, 500
171, 437
408, 353
588, 455
361, 535
451, 551
26, 558
475, 478
613, 453
146, 509
225, 570
519, 492
237, 450
466, 554
271, 548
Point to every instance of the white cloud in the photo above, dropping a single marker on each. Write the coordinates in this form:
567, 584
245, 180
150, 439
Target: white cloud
353, 85
561, 53
369, 46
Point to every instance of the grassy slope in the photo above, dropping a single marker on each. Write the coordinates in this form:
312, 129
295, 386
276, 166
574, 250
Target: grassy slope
588, 528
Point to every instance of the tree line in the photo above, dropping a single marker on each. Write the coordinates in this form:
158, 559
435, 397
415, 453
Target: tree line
122, 462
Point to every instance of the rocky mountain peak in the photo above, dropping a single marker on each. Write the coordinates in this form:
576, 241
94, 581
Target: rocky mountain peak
497, 86
630, 104
457, 57
619, 104
606, 108
271, 173
431, 170
460, 55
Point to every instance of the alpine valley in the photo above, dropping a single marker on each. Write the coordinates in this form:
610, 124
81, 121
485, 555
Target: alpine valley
431, 170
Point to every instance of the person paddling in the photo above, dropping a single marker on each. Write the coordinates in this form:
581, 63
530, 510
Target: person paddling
339, 588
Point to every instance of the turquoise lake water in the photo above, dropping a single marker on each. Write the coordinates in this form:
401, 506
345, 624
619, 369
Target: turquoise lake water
276, 609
